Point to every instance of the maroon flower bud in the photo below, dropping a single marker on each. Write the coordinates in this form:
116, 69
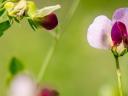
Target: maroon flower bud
48, 92
119, 33
50, 21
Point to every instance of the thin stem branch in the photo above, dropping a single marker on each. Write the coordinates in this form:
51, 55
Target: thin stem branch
56, 39
118, 72
72, 11
47, 60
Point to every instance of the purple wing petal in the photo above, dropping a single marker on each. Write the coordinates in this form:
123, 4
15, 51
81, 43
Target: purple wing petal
121, 15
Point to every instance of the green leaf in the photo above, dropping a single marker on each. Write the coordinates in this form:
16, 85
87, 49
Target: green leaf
16, 66
4, 26
4, 17
2, 10
32, 24
2, 1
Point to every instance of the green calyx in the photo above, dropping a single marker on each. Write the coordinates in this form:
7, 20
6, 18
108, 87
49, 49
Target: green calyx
117, 53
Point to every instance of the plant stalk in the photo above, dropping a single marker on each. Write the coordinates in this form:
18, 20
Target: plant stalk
47, 61
56, 39
119, 78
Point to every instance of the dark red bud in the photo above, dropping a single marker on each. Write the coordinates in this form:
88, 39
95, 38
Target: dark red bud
118, 33
50, 21
48, 92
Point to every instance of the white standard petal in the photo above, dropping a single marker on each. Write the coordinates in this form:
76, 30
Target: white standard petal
121, 14
46, 10
99, 33
22, 85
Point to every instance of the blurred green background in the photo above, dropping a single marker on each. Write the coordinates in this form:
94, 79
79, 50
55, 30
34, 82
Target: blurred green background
76, 68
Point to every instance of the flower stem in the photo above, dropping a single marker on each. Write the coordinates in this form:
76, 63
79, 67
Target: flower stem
47, 60
118, 72
56, 39
71, 11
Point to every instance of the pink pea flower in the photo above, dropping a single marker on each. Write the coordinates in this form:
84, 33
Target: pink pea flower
104, 33
22, 85
25, 85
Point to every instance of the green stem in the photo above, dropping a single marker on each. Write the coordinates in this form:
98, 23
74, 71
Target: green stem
71, 11
118, 72
56, 39
47, 60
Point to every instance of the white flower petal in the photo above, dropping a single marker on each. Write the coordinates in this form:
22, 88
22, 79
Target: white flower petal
99, 33
21, 5
46, 10
22, 85
19, 9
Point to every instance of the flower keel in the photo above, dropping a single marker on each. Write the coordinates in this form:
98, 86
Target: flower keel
49, 22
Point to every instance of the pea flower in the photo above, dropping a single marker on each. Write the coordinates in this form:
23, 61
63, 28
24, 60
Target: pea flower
16, 10
44, 17
25, 85
104, 33
22, 85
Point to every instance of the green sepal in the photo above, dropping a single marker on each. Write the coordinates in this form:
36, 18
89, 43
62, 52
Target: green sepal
114, 51
32, 24
4, 26
16, 66
11, 19
17, 20
123, 52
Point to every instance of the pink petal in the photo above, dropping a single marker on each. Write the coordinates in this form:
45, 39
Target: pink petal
22, 85
48, 92
121, 15
99, 33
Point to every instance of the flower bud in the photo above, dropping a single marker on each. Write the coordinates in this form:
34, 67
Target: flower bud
48, 92
19, 9
49, 22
